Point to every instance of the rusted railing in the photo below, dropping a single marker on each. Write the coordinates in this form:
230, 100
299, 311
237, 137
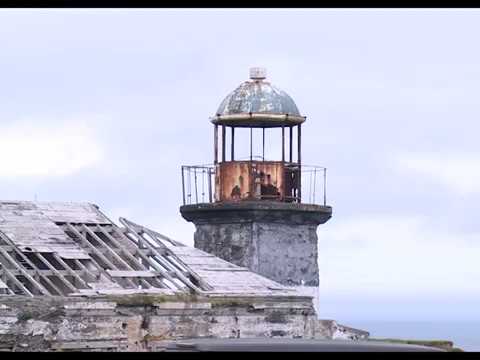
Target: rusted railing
198, 184
314, 184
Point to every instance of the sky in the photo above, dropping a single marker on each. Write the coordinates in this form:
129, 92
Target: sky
104, 106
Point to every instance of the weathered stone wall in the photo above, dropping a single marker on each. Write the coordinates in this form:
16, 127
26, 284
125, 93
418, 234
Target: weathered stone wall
275, 239
145, 322
281, 252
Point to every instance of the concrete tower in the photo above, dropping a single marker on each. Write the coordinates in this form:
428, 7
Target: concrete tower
258, 213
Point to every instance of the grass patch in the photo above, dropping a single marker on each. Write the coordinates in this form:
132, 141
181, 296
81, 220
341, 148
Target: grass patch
440, 344
149, 299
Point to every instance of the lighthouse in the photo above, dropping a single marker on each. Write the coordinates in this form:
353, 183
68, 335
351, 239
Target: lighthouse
255, 211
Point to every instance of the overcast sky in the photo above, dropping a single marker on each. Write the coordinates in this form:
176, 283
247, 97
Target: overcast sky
105, 106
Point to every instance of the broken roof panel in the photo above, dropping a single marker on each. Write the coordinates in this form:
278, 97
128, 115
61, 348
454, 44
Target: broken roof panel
71, 249
30, 229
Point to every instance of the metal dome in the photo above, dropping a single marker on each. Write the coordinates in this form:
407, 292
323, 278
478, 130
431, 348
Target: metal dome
258, 96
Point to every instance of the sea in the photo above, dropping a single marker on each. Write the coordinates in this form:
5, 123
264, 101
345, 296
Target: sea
465, 335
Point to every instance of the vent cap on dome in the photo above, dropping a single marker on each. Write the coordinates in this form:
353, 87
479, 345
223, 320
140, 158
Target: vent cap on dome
258, 73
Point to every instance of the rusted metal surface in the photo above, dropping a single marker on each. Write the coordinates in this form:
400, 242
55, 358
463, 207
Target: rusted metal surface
254, 180
232, 181
241, 180
224, 140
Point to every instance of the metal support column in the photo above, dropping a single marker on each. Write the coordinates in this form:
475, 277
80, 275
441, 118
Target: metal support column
290, 144
263, 144
224, 136
251, 144
215, 144
299, 160
233, 144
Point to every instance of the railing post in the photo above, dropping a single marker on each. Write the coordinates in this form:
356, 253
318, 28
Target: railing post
196, 191
215, 144
310, 194
324, 186
210, 184
299, 160
183, 185
203, 185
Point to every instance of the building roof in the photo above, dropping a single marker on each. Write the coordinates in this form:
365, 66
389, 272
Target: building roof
73, 249
260, 99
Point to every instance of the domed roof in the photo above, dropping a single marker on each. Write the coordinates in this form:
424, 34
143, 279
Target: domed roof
258, 96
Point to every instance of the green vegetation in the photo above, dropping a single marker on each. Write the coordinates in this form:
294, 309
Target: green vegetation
25, 315
441, 344
149, 299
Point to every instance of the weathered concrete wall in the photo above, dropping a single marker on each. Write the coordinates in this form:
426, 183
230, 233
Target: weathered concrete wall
282, 252
144, 322
313, 292
274, 239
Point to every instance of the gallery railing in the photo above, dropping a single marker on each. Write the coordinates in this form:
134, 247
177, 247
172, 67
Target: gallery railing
198, 184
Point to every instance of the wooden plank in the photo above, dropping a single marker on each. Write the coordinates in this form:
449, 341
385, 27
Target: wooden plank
16, 281
87, 271
20, 268
17, 272
74, 255
32, 231
131, 273
95, 344
175, 268
151, 262
90, 246
56, 272
71, 212
124, 250
94, 249
3, 285
110, 250
36, 271
70, 270
164, 263
156, 235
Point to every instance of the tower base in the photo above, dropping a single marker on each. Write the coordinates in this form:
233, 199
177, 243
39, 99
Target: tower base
274, 239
